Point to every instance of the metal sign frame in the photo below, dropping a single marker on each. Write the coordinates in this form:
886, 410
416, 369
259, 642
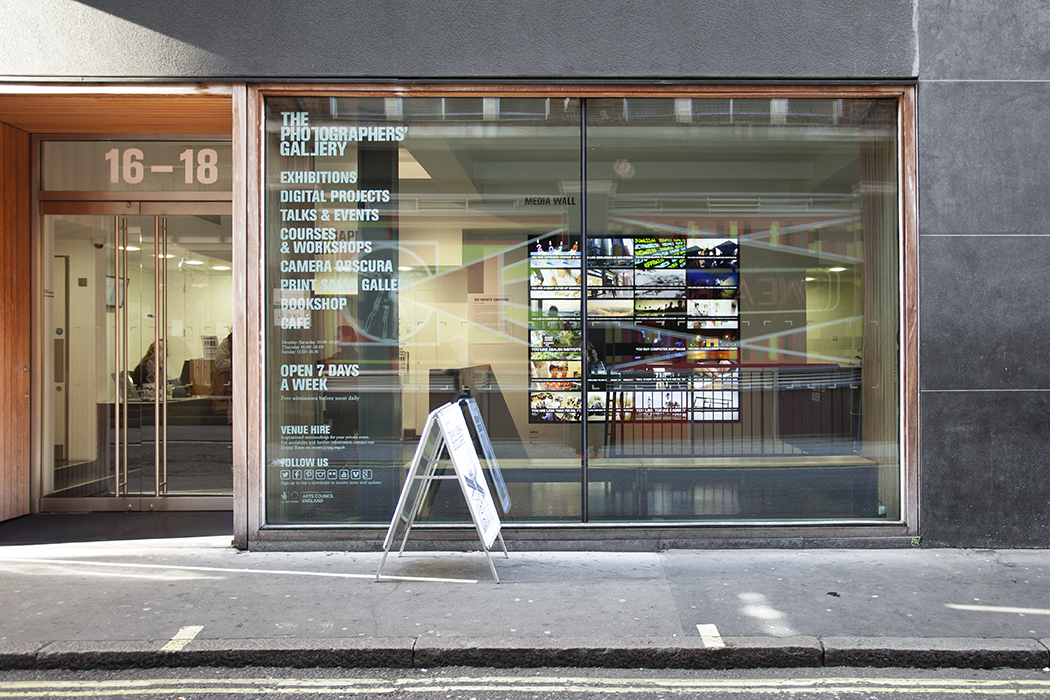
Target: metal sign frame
446, 430
490, 456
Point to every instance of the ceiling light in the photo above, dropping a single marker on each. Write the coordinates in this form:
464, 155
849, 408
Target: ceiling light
194, 262
837, 269
220, 267
404, 268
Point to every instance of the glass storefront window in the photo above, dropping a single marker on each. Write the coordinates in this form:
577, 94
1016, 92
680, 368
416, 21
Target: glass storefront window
667, 308
398, 235
742, 308
136, 298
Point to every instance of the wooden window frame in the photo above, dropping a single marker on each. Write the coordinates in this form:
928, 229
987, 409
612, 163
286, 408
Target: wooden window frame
252, 252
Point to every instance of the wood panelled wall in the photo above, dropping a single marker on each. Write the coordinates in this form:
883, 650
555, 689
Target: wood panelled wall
15, 321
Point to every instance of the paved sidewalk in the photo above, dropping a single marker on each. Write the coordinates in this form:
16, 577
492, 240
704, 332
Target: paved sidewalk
196, 601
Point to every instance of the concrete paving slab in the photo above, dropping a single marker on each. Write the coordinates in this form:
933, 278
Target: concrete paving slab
86, 604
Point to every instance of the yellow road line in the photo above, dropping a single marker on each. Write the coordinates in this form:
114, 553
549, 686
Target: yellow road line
508, 684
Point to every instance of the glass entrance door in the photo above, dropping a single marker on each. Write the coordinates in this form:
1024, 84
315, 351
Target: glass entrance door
137, 321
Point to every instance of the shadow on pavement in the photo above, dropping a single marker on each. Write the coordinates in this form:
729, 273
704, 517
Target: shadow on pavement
53, 528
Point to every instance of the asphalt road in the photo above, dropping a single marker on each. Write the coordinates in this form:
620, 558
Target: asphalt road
461, 683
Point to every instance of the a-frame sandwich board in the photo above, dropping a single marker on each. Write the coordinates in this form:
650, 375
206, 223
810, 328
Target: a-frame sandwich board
445, 428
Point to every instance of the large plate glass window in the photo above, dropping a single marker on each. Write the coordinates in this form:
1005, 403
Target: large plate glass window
749, 368
668, 309
397, 240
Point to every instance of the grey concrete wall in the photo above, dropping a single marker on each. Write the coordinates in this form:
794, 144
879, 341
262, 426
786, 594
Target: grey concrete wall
984, 150
331, 39
984, 257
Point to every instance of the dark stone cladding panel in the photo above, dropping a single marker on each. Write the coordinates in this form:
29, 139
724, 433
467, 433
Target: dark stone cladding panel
339, 39
983, 154
981, 40
982, 315
983, 469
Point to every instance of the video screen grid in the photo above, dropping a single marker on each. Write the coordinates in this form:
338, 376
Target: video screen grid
668, 302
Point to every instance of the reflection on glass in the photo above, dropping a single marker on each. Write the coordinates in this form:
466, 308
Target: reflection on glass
725, 318
168, 396
199, 341
768, 389
448, 244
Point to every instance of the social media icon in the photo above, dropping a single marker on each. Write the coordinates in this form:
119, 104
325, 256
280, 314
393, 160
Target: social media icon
333, 474
286, 473
308, 474
355, 473
366, 473
297, 473
344, 474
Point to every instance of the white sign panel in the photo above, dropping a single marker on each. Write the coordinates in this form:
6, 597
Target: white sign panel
211, 345
460, 447
490, 455
487, 312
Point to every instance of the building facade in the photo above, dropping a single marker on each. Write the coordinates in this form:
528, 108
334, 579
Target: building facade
712, 276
